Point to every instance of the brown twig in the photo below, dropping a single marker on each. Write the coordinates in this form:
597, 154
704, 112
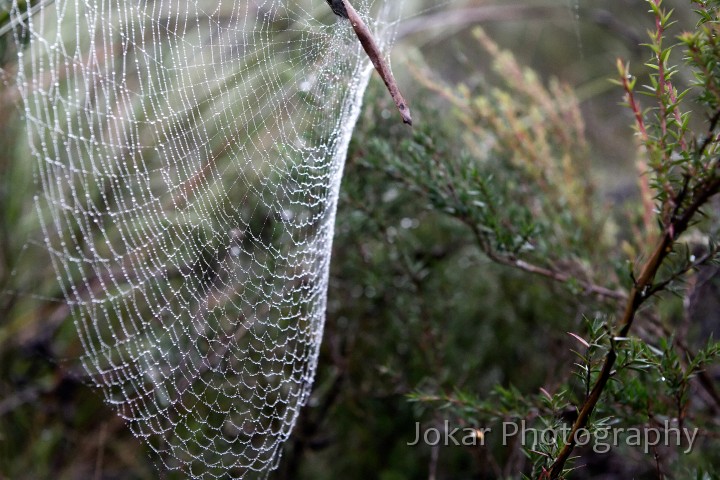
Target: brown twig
343, 8
555, 275
638, 295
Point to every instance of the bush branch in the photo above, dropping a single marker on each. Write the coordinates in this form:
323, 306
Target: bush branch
557, 276
639, 293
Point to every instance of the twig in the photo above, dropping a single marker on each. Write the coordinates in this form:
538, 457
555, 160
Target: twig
344, 9
557, 276
638, 295
562, 277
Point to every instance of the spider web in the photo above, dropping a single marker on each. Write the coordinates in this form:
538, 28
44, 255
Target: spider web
189, 160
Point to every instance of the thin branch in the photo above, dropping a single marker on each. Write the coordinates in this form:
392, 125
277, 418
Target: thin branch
344, 9
638, 295
560, 277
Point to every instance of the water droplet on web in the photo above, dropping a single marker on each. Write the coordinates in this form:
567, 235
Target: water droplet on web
305, 86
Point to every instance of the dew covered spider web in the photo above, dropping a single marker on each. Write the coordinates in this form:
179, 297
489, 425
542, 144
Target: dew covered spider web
189, 159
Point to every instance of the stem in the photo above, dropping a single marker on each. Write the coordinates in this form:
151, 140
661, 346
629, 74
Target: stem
638, 295
558, 276
368, 43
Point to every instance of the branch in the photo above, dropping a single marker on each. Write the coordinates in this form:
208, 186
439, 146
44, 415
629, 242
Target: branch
638, 295
560, 277
563, 277
343, 8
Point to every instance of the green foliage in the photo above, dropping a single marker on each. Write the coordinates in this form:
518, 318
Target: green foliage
509, 172
506, 175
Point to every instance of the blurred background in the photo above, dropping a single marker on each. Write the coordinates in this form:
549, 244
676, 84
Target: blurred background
413, 303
